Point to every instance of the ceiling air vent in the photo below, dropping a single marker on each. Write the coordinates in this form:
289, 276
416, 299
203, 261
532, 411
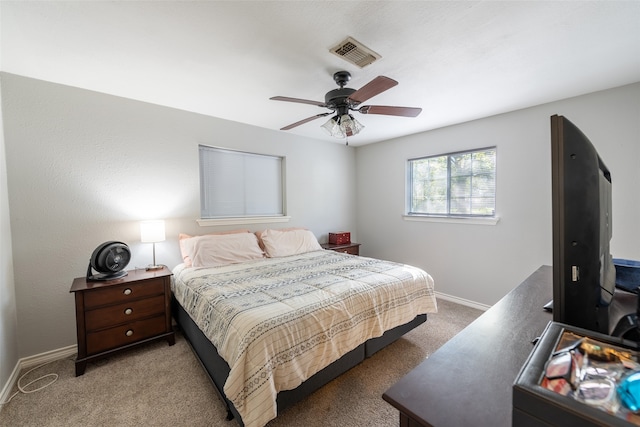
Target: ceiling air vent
355, 52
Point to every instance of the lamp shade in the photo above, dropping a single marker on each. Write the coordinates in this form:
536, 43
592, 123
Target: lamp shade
349, 125
342, 126
331, 126
152, 231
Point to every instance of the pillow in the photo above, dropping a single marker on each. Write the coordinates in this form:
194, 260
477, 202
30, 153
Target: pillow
184, 242
279, 243
259, 234
214, 250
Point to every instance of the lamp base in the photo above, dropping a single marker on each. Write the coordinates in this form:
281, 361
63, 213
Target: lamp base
155, 267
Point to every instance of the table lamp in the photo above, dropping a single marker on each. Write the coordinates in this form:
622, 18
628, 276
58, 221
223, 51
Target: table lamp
152, 232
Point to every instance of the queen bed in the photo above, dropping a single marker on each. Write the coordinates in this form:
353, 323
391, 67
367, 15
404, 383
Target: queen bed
272, 316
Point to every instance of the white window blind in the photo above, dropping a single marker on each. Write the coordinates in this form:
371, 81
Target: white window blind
240, 184
456, 184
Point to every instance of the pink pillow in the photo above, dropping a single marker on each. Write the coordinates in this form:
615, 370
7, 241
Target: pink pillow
278, 243
223, 249
259, 234
183, 241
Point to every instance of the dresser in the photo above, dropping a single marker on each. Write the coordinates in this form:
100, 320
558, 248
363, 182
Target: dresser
468, 381
115, 315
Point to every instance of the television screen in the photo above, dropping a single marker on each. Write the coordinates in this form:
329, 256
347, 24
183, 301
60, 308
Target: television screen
583, 270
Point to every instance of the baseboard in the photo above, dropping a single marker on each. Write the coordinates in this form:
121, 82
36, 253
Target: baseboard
46, 357
31, 362
463, 301
8, 387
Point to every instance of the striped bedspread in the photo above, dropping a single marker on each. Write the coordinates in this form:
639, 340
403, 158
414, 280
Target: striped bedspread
277, 321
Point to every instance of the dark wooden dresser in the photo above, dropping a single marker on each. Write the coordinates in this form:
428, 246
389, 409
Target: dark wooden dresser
117, 314
468, 381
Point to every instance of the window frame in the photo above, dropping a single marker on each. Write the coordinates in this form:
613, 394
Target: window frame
409, 215
239, 218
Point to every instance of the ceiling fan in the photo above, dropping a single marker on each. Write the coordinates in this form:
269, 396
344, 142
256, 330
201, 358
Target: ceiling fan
344, 100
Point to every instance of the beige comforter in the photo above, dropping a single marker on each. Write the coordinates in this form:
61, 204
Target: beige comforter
278, 321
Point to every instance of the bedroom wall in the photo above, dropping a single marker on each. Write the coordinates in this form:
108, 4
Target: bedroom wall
8, 316
85, 167
481, 263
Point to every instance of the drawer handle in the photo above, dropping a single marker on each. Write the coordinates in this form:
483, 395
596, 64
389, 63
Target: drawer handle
129, 332
127, 291
128, 311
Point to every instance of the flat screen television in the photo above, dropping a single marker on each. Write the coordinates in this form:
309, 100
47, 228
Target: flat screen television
583, 271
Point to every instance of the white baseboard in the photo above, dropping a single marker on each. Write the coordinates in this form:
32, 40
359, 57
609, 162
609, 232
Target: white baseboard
463, 301
48, 356
31, 362
8, 387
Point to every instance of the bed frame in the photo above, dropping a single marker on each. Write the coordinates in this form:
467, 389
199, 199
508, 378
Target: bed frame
218, 369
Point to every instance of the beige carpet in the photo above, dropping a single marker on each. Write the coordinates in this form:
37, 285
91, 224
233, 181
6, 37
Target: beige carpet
158, 385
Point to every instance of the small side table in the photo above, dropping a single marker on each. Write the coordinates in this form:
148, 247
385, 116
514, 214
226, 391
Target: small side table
115, 315
347, 248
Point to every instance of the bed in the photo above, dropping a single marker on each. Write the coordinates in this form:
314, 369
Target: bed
273, 325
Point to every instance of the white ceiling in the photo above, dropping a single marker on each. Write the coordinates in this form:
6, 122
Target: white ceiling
458, 60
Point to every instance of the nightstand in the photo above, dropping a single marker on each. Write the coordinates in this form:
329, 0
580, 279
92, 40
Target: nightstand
118, 314
347, 248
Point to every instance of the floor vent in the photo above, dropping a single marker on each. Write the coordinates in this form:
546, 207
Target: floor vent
355, 52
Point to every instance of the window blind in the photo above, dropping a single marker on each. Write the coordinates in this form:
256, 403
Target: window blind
240, 184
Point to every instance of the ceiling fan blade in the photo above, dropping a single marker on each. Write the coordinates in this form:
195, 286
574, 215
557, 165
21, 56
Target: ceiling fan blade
301, 101
390, 111
303, 121
373, 88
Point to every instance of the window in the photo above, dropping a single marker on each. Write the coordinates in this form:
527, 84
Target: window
237, 184
453, 185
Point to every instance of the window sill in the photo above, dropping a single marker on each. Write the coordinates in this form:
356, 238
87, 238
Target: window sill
242, 221
453, 220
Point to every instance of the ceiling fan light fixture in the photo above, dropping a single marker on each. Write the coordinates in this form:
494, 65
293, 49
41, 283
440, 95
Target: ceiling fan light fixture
349, 125
333, 128
342, 126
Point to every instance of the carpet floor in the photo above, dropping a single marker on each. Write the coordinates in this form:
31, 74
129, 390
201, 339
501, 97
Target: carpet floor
161, 385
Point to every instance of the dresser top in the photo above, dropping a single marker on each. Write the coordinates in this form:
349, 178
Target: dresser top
468, 381
81, 283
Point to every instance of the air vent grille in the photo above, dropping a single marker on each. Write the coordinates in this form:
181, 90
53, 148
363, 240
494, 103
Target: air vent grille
355, 52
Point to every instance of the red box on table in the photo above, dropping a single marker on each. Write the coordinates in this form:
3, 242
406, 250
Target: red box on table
340, 237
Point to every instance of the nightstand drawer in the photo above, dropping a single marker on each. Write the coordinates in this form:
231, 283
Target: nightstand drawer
124, 334
353, 250
105, 317
345, 248
123, 293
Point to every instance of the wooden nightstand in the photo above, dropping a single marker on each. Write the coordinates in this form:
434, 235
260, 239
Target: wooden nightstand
118, 314
347, 248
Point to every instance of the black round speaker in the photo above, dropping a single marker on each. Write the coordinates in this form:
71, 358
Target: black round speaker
109, 260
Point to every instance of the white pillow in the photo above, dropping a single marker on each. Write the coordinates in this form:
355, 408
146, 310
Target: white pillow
217, 250
278, 243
